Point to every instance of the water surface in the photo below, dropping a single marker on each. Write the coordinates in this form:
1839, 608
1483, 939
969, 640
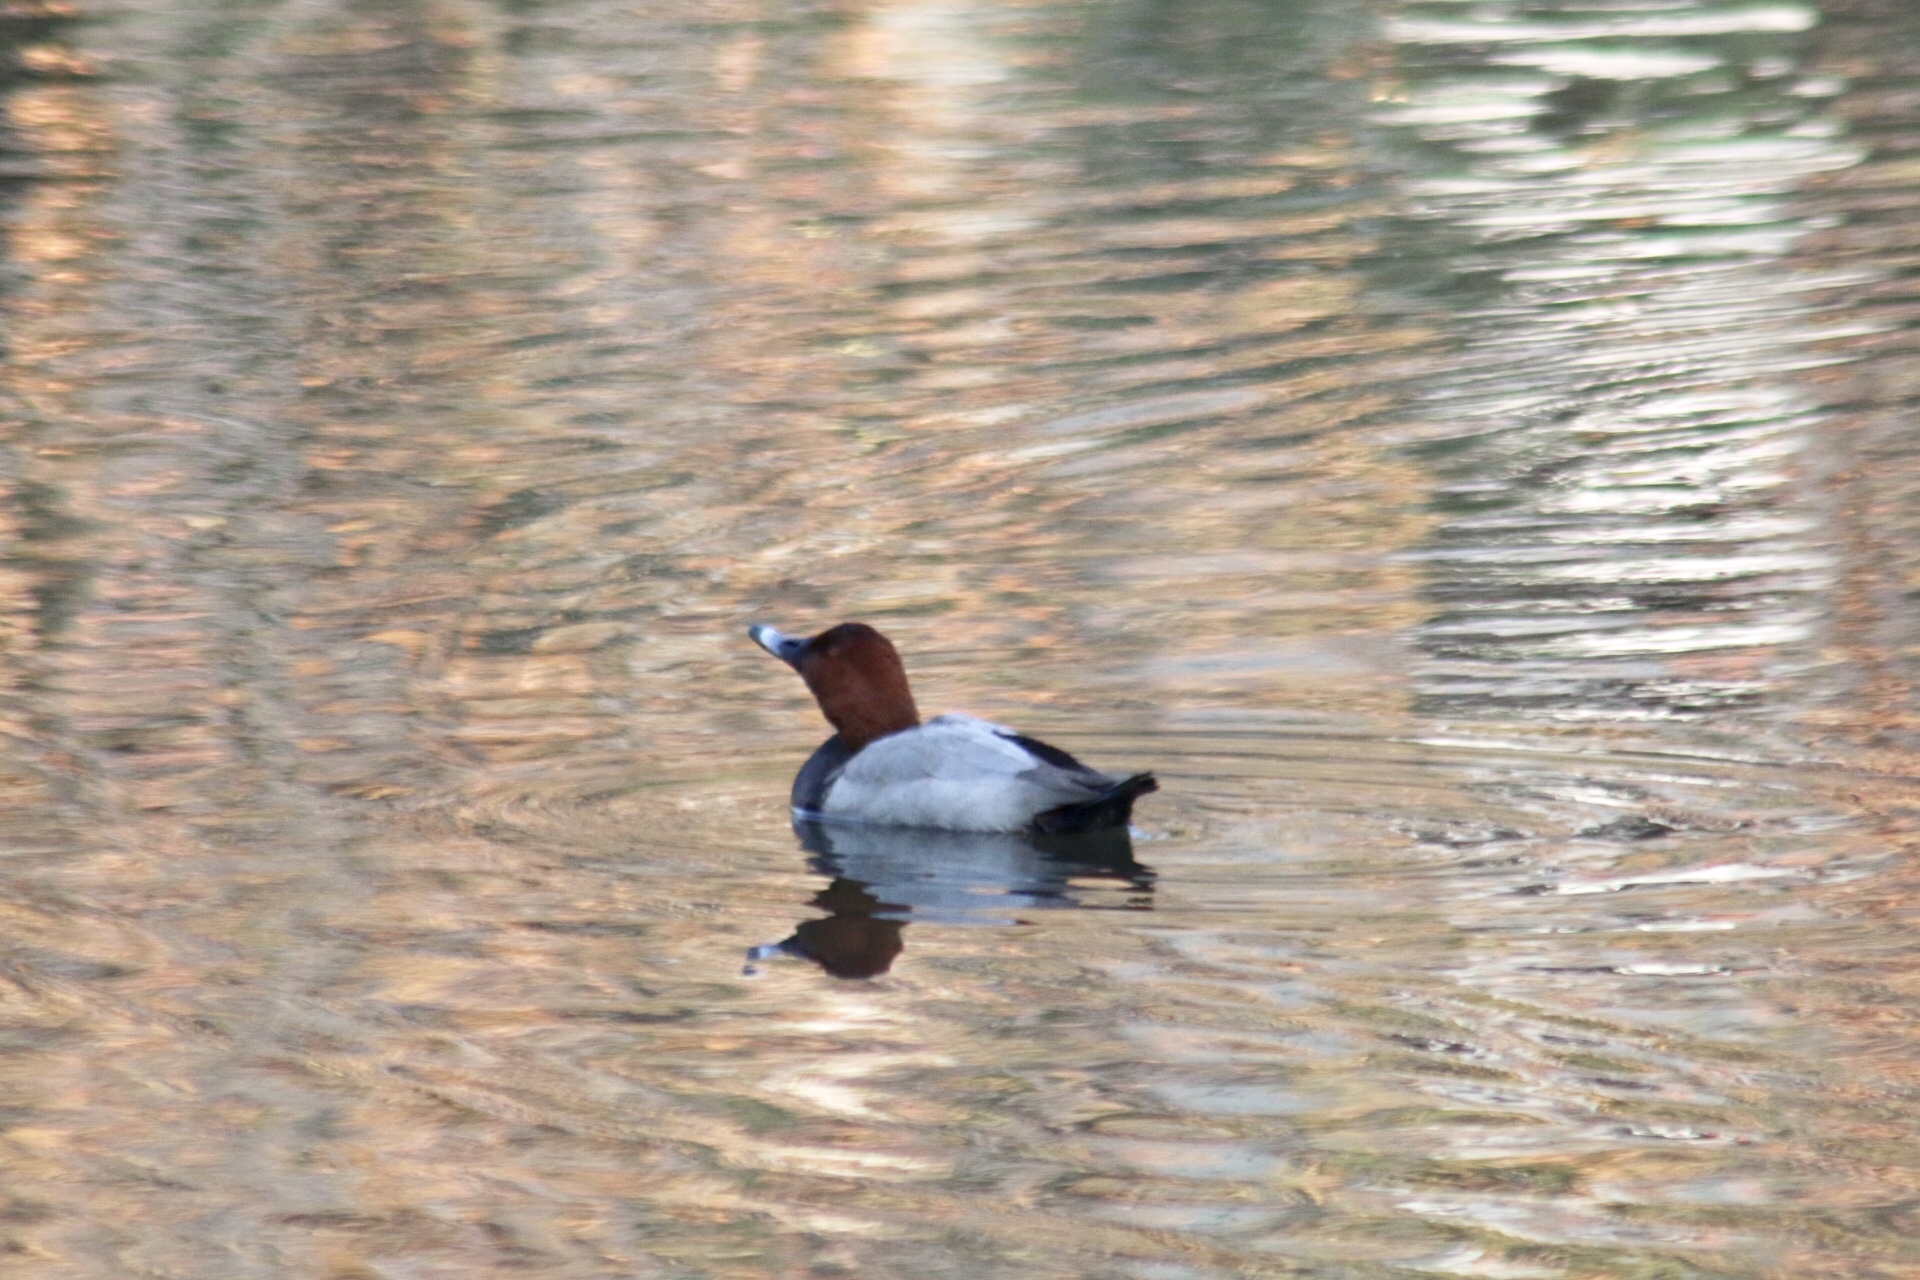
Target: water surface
1463, 448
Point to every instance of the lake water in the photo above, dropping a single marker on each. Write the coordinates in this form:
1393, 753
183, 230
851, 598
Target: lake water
1467, 449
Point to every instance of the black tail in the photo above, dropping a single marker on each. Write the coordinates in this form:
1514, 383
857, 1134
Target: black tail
1111, 808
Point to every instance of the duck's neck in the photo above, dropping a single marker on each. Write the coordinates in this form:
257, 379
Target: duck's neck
859, 722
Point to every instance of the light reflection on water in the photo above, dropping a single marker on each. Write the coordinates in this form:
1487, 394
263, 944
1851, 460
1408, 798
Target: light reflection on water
1461, 449
1631, 522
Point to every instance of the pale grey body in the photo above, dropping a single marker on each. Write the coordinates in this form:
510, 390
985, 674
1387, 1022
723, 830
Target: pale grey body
957, 773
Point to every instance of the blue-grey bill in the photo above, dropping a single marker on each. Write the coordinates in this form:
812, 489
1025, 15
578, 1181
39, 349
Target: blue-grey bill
784, 647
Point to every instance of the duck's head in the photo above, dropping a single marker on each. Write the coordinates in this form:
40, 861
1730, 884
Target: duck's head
855, 675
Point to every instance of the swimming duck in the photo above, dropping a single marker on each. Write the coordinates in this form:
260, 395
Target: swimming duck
956, 773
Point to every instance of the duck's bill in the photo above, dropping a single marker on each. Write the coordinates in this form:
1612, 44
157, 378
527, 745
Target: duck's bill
784, 647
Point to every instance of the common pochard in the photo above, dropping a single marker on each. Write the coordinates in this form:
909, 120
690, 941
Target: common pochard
883, 766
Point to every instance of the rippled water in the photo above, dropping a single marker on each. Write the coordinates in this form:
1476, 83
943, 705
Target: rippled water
1465, 449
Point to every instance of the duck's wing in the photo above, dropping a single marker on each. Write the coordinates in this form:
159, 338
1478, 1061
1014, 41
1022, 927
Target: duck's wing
1039, 764
961, 773
1044, 752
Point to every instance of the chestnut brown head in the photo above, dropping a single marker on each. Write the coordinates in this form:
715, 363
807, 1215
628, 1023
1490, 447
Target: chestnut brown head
855, 675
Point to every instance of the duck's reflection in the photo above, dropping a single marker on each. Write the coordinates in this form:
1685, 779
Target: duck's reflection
881, 878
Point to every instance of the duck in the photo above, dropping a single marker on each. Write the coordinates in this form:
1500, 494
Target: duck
884, 767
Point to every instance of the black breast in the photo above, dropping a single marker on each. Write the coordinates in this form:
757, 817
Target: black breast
817, 774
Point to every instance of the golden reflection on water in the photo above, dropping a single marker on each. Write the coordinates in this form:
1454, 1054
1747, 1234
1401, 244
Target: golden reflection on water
1460, 450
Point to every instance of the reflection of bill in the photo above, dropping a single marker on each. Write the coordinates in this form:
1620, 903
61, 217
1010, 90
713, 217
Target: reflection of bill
885, 877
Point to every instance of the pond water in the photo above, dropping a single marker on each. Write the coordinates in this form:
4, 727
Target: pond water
1465, 447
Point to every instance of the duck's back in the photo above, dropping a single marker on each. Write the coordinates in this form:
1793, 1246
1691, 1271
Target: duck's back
958, 773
